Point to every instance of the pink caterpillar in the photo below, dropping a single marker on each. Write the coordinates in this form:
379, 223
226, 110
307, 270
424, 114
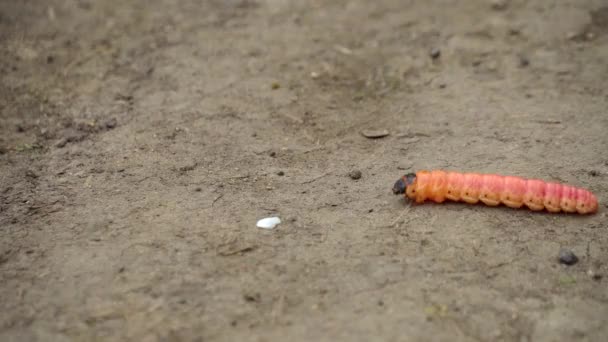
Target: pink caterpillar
493, 190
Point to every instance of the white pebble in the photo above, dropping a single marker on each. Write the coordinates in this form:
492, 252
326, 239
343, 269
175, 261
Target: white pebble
269, 222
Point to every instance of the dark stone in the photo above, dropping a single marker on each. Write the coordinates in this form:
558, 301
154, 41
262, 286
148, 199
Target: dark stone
435, 53
567, 257
355, 174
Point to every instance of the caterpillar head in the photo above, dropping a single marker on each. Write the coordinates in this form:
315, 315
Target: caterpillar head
401, 185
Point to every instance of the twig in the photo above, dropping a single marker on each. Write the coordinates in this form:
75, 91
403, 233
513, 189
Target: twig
238, 251
316, 178
548, 122
217, 199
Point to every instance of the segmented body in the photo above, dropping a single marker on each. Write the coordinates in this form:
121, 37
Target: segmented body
493, 190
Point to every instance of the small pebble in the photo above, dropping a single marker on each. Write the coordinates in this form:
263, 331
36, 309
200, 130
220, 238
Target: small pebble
572, 35
567, 257
61, 142
31, 174
355, 174
272, 154
280, 173
499, 5
199, 189
268, 223
595, 276
435, 53
252, 297
523, 62
275, 86
374, 134
111, 123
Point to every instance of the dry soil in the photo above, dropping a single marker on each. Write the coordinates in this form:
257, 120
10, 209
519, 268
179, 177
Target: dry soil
140, 141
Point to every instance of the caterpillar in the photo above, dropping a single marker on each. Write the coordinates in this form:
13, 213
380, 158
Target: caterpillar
493, 190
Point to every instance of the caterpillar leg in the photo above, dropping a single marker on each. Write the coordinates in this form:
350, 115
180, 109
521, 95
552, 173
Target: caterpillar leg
552, 195
488, 200
491, 187
533, 198
513, 192
567, 202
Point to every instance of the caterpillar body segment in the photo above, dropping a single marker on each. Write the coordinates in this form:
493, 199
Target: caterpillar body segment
493, 190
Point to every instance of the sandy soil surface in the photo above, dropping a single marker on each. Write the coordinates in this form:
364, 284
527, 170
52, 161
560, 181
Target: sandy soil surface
140, 141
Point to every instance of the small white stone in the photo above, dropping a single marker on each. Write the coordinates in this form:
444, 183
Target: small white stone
268, 223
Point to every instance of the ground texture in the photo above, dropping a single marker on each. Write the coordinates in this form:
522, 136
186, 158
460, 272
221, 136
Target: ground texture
141, 140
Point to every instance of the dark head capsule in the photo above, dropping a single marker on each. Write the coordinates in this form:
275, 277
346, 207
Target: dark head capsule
399, 187
402, 183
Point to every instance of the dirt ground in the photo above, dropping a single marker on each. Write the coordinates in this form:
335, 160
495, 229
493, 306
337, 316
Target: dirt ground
140, 141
